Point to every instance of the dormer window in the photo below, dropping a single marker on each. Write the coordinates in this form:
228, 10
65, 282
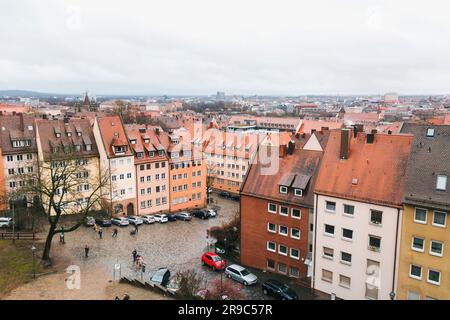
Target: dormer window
133, 141
441, 182
78, 148
161, 153
119, 149
55, 149
146, 140
298, 192
151, 153
69, 134
21, 143
430, 132
283, 189
88, 147
140, 155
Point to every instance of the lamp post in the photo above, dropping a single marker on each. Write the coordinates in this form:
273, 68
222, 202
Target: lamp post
14, 222
33, 250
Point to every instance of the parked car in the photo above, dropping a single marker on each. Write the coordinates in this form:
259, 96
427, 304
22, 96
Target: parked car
161, 277
103, 222
279, 290
213, 261
90, 221
235, 197
212, 213
161, 218
5, 222
147, 219
120, 221
224, 194
135, 221
201, 214
240, 274
171, 217
209, 190
185, 216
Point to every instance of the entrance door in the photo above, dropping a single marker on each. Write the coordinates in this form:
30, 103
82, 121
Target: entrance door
130, 209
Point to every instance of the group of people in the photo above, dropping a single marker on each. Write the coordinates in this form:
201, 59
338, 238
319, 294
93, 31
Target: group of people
138, 261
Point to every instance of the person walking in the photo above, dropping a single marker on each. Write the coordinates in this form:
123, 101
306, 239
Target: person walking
100, 232
134, 253
86, 251
115, 232
136, 228
61, 237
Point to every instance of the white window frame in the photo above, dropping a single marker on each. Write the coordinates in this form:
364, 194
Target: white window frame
445, 219
292, 214
345, 238
426, 215
326, 233
344, 285
285, 190
414, 276
431, 281
325, 256
330, 211
343, 261
417, 249
282, 214
373, 248
271, 231
268, 208
434, 253
281, 253
444, 180
348, 214
283, 234
298, 192
299, 234
271, 250
294, 257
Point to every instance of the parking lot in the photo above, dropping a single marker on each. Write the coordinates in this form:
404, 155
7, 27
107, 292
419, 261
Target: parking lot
176, 245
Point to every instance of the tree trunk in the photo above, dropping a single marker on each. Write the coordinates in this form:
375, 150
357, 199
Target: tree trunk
48, 244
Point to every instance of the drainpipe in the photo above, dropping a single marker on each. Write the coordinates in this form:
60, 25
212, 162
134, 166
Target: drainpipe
314, 245
395, 251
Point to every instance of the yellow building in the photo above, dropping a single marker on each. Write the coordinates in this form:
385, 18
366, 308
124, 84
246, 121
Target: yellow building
424, 255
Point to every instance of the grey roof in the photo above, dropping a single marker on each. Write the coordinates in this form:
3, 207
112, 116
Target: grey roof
286, 179
430, 156
301, 181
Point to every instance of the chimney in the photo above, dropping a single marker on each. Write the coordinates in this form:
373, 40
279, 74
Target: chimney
374, 131
66, 120
370, 137
157, 131
357, 128
283, 151
313, 130
324, 129
291, 147
345, 144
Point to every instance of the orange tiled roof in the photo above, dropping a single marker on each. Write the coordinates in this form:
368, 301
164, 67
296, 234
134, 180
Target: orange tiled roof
372, 173
113, 134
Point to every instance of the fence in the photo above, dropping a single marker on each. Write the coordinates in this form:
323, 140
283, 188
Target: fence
18, 236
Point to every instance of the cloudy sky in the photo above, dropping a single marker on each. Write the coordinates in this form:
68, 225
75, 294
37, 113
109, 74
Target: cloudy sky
237, 46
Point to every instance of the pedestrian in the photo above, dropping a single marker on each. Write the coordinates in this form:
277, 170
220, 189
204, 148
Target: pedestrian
126, 297
134, 253
61, 237
115, 232
100, 232
136, 228
86, 251
95, 227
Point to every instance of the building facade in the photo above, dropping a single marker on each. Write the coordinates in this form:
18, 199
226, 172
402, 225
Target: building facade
358, 211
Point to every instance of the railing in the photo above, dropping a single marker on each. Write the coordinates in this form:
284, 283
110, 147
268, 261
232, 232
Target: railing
17, 236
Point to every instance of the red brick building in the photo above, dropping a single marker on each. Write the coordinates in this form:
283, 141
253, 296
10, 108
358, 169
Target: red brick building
276, 208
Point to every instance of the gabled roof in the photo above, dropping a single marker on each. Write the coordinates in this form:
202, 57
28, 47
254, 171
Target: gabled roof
378, 169
430, 157
16, 127
113, 134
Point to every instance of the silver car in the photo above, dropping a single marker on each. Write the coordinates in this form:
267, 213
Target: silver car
136, 221
5, 222
240, 274
147, 219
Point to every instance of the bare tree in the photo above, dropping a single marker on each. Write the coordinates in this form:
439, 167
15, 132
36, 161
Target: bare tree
64, 186
190, 282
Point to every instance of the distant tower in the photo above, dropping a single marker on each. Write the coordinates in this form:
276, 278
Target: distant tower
86, 103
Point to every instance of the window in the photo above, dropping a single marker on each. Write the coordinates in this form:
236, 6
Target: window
415, 272
284, 211
344, 281
282, 268
349, 210
330, 206
9, 158
436, 248
441, 182
298, 192
271, 246
294, 272
296, 213
439, 219
376, 217
327, 275
418, 244
282, 249
329, 230
270, 264
347, 234
295, 233
295, 253
420, 215
434, 277
430, 132
328, 253
271, 227
283, 230
128, 175
142, 204
346, 258
272, 208
374, 243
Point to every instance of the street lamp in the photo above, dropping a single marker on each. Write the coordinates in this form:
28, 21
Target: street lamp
33, 250
392, 295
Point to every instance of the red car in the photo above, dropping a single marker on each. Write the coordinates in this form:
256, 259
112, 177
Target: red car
212, 260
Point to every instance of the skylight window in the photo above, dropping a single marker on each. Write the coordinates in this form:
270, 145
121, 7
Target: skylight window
441, 182
430, 132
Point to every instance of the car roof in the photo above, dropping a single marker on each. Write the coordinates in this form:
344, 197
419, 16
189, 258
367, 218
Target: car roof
211, 253
274, 282
237, 267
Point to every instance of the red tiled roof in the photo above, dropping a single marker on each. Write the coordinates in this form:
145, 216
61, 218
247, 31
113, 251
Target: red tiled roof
113, 134
378, 169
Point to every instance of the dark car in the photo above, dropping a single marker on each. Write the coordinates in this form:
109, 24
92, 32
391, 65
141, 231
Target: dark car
235, 197
278, 290
161, 277
103, 222
225, 194
171, 217
201, 214
184, 216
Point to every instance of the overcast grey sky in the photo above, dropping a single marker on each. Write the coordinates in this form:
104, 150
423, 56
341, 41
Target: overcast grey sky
236, 46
